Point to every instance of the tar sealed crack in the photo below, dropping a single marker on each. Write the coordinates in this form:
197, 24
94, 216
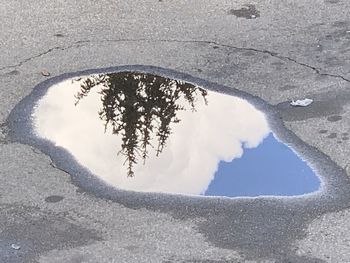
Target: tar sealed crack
271, 53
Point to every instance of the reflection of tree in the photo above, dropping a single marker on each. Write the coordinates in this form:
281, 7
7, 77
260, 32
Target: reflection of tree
137, 106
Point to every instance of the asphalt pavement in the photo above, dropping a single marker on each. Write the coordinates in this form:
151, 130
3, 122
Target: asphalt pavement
269, 52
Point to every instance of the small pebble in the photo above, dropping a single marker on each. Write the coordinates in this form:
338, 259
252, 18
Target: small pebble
45, 73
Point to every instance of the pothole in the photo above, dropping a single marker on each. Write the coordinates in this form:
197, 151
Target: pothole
148, 133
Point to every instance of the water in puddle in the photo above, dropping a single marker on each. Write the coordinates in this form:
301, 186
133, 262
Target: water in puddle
148, 133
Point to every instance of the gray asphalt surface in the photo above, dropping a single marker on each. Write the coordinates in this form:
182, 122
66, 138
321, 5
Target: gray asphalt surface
273, 50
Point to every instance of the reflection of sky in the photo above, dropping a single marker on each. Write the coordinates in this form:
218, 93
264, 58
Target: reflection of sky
272, 168
200, 143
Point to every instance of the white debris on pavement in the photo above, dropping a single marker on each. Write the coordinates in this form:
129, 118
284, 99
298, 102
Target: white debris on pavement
16, 247
301, 103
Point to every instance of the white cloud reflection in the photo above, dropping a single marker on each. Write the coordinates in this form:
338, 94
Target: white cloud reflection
193, 151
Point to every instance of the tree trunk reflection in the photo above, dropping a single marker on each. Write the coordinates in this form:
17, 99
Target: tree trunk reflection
140, 107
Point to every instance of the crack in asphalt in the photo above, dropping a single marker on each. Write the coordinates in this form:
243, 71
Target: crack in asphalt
317, 70
52, 164
271, 53
76, 44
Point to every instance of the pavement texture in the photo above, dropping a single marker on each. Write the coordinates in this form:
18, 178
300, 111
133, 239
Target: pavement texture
274, 50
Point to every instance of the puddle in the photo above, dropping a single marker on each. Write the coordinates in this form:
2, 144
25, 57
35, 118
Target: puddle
148, 133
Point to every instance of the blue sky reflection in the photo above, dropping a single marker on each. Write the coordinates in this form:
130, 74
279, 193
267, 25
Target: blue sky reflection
272, 168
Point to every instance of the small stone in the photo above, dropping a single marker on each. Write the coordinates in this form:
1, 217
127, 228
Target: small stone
15, 246
45, 73
253, 16
54, 198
